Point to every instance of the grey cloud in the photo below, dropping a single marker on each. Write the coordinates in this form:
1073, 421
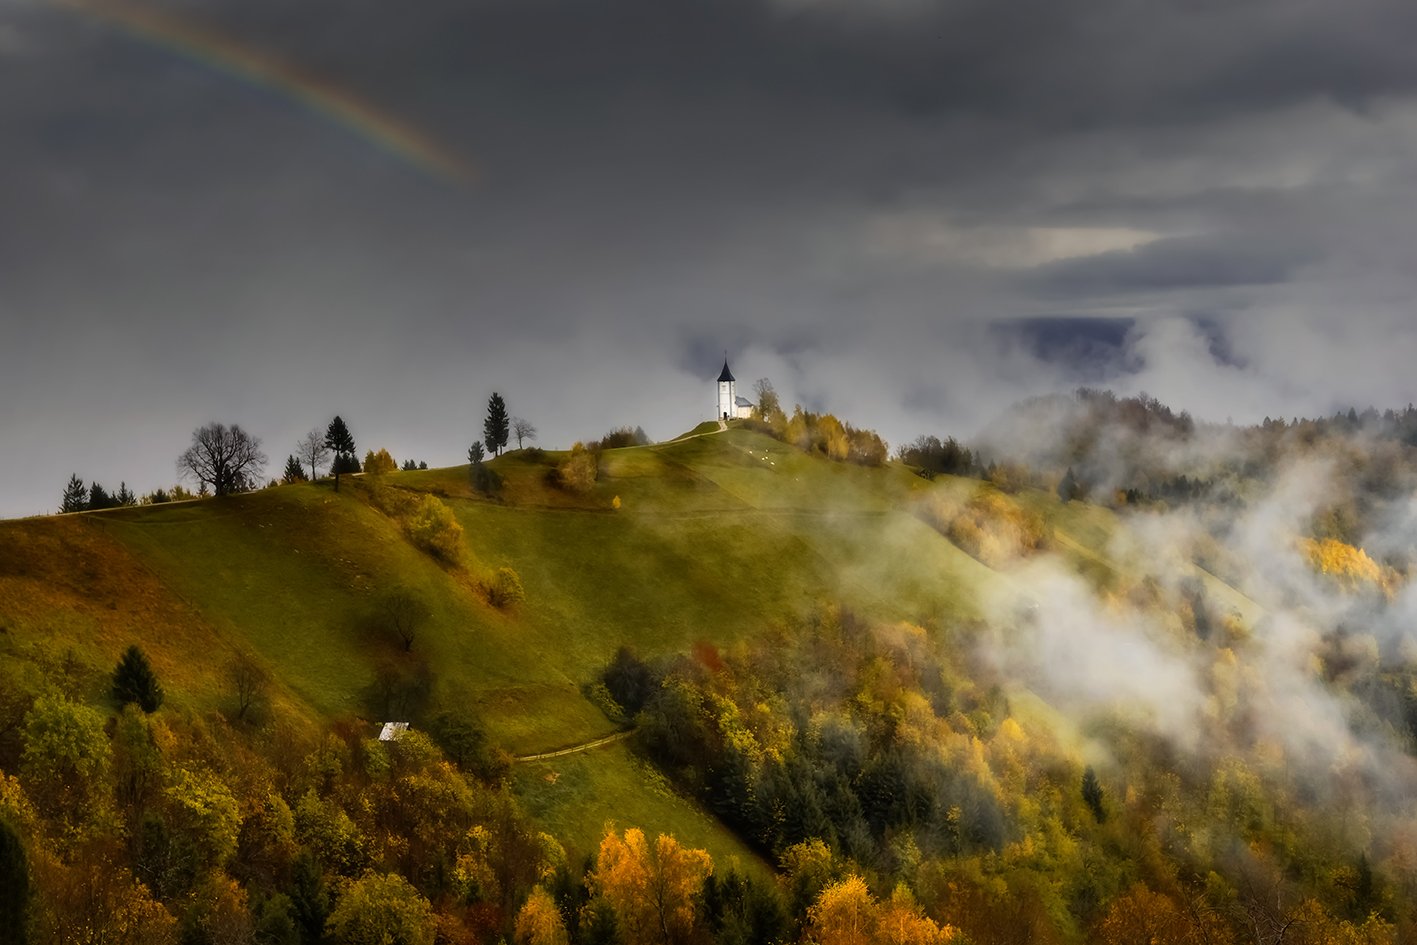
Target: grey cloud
661, 181
1176, 263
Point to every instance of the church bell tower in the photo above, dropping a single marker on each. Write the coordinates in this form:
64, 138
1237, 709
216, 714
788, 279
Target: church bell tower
727, 394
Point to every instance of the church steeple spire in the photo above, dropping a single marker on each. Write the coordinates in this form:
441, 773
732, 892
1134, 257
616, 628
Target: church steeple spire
727, 393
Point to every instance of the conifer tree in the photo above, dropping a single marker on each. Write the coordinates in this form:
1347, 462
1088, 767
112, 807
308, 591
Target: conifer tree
125, 495
339, 439
134, 681
294, 472
496, 428
99, 497
14, 887
76, 497
1092, 794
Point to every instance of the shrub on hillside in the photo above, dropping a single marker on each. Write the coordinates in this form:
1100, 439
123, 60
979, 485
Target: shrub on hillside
621, 437
505, 589
393, 502
630, 680
465, 743
599, 696
483, 479
991, 526
577, 473
1008, 477
432, 527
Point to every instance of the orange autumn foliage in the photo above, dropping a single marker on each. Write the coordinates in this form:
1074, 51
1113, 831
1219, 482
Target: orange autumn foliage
652, 890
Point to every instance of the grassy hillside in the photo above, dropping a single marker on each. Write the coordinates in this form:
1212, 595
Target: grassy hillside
715, 538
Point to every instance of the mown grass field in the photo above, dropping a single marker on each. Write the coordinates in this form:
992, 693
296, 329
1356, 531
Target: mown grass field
715, 538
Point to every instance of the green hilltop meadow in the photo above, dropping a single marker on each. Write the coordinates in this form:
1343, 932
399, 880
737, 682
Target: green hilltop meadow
803, 695
716, 537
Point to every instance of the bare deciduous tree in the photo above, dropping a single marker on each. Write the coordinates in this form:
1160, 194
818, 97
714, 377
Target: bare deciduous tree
403, 613
226, 458
522, 430
248, 681
313, 452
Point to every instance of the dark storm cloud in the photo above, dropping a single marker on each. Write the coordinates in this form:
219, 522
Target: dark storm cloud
845, 194
1175, 263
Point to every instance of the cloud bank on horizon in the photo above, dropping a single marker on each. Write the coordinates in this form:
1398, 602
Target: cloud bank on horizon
909, 213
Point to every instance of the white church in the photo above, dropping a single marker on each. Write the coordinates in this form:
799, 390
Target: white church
730, 405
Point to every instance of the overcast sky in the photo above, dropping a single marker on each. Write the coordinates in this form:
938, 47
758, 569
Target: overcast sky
906, 212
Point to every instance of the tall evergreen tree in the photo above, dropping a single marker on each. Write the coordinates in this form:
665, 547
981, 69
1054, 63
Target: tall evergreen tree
99, 497
125, 495
76, 497
1092, 794
14, 887
294, 472
339, 439
496, 428
134, 681
310, 897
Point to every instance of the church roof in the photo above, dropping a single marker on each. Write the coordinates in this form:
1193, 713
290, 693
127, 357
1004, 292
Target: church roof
727, 375
741, 401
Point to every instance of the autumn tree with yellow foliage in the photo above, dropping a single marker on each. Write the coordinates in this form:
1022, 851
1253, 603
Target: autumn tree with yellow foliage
377, 464
1348, 567
847, 914
539, 921
653, 890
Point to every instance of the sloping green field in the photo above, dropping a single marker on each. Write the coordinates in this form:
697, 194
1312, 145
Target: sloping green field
713, 539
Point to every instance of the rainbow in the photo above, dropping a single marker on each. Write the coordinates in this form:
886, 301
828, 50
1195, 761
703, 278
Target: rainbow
315, 95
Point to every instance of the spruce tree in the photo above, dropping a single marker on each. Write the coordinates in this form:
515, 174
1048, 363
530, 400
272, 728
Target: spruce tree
134, 681
76, 497
339, 439
125, 495
1092, 794
496, 428
14, 887
99, 497
294, 472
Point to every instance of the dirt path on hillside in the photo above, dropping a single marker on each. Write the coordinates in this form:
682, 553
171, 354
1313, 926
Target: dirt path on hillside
586, 746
